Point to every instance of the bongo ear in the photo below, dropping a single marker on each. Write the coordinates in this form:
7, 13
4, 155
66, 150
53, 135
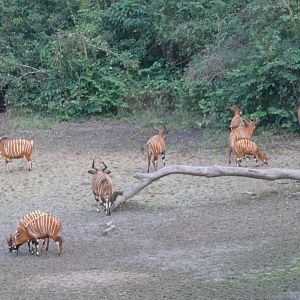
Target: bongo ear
92, 172
257, 122
232, 109
247, 122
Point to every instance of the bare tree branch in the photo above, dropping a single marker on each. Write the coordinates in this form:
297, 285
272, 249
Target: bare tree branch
287, 3
35, 70
145, 179
32, 68
25, 74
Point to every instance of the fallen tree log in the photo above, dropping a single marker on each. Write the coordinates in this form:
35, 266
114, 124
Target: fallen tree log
144, 179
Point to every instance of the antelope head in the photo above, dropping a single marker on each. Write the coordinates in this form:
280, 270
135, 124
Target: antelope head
162, 132
236, 110
11, 241
94, 170
252, 123
265, 160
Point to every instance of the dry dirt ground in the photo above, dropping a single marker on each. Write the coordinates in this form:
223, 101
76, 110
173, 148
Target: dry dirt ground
182, 237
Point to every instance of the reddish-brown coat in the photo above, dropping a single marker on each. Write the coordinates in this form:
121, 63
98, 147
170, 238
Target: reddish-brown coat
237, 120
42, 226
156, 146
245, 147
241, 133
102, 187
15, 149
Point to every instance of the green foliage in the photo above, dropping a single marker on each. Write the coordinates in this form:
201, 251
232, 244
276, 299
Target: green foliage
79, 58
266, 80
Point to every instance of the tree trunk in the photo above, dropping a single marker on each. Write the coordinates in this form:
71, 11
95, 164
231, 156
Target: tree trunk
144, 179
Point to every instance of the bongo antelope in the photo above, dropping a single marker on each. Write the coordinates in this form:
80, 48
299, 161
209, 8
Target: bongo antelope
15, 149
245, 147
103, 188
43, 227
241, 133
156, 146
24, 223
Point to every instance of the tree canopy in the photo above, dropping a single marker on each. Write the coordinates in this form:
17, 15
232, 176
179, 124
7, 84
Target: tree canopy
74, 58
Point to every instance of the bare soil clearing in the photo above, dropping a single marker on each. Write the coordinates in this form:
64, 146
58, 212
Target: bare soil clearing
182, 237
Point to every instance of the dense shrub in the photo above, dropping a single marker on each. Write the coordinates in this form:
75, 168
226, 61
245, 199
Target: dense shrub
75, 58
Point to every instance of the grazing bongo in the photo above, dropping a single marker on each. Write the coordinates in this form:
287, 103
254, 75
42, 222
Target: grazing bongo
237, 120
156, 146
245, 147
15, 149
24, 223
43, 227
241, 133
103, 188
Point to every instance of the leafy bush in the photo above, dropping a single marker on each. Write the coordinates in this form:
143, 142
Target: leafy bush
79, 58
266, 80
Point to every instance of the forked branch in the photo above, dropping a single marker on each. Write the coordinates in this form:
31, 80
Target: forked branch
287, 3
144, 179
